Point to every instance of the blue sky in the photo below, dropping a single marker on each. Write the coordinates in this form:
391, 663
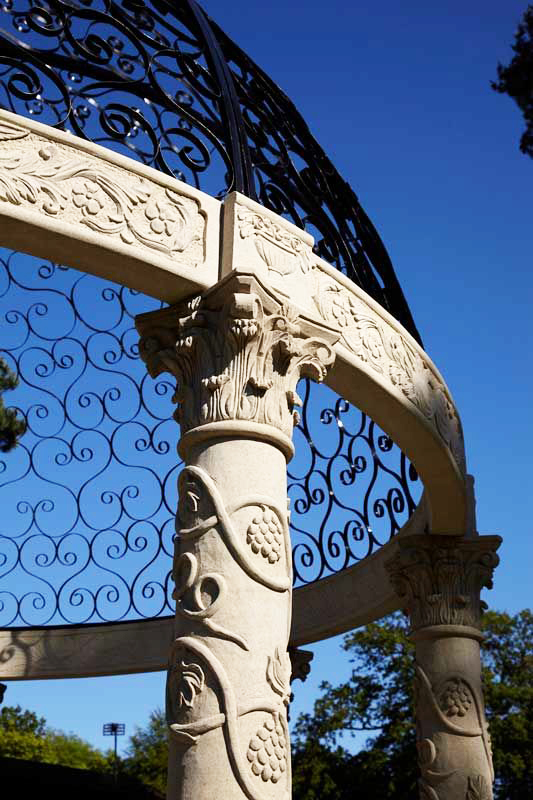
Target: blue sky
399, 97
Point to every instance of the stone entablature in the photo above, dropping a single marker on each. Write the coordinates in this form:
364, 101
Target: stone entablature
86, 201
259, 240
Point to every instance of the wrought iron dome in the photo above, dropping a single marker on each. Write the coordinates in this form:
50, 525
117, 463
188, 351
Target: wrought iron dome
164, 83
89, 494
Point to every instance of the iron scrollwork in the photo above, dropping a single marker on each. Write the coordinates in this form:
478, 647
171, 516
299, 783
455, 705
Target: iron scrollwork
161, 82
89, 494
88, 497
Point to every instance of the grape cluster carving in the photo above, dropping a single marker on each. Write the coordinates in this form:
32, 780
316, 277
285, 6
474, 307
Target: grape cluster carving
265, 535
267, 751
455, 699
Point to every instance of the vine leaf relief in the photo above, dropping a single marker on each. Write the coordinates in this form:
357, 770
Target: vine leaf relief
279, 674
477, 788
189, 681
62, 182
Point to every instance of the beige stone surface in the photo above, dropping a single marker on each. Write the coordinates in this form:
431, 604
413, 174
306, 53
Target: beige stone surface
82, 205
237, 352
379, 367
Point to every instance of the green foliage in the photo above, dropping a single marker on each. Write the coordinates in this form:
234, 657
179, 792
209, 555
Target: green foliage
516, 79
377, 699
11, 426
13, 718
508, 679
147, 753
24, 735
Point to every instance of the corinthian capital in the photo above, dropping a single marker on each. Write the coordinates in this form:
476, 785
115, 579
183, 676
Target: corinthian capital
237, 352
439, 578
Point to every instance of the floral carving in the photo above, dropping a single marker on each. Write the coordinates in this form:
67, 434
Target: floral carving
455, 698
88, 196
374, 342
282, 251
265, 535
267, 751
64, 182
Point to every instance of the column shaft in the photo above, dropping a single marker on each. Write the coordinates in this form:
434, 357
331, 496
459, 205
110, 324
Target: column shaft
237, 353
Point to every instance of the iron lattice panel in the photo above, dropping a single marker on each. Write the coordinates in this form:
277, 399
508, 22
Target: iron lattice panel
88, 496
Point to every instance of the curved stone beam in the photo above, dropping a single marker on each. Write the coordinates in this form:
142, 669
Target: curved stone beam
82, 205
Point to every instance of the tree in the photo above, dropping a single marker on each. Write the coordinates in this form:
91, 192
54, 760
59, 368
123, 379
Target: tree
377, 700
147, 753
11, 426
516, 79
24, 735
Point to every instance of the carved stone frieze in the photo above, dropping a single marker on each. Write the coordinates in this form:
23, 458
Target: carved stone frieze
64, 183
395, 357
282, 251
237, 354
439, 578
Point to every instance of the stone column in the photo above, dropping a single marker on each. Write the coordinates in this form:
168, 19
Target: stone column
237, 353
439, 578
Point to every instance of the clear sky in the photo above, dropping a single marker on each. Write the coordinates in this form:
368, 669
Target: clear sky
399, 96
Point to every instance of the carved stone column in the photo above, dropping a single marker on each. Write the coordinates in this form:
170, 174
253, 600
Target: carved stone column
237, 353
439, 579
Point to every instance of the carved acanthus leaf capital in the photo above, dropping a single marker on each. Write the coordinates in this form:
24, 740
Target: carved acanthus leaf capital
237, 353
439, 578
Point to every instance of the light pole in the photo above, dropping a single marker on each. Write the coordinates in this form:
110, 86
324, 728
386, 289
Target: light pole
114, 729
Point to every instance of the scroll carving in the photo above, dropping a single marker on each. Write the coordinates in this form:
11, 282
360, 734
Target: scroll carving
267, 751
439, 578
200, 693
65, 183
237, 353
457, 707
221, 516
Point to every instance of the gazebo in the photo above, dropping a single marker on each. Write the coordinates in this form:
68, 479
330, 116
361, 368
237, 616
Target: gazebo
151, 175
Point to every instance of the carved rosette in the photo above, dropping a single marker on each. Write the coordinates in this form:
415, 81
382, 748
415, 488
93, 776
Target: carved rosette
238, 354
439, 578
